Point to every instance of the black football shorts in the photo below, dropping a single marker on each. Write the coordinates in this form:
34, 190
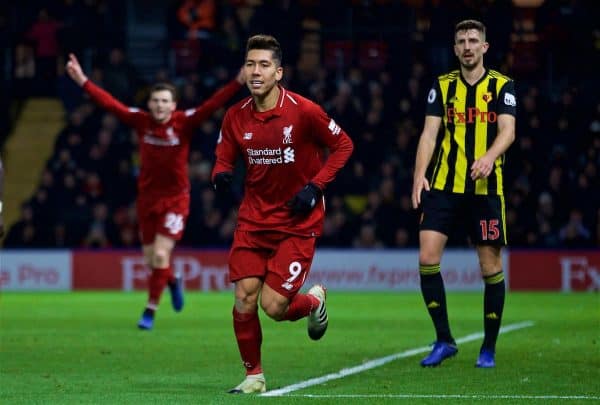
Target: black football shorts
482, 216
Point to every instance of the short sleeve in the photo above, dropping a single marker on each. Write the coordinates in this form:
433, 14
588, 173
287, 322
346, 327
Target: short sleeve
435, 106
507, 100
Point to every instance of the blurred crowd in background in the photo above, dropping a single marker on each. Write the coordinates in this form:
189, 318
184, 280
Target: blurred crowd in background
369, 64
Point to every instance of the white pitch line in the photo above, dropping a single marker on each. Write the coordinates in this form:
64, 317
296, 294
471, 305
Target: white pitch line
446, 396
381, 361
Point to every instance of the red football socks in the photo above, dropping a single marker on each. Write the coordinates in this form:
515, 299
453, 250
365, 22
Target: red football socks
249, 339
300, 307
156, 284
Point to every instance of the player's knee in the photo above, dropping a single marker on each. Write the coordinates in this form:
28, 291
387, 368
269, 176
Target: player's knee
246, 302
490, 268
160, 258
429, 257
273, 310
490, 264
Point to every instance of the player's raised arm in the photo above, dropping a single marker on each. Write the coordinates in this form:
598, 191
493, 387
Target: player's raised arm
241, 77
75, 71
98, 95
217, 100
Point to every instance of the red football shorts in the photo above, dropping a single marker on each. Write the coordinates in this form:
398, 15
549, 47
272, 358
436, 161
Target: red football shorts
282, 260
162, 215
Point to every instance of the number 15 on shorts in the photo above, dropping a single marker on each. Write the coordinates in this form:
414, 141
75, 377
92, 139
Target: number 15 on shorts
489, 229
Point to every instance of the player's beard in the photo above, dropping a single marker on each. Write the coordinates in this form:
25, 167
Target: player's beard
263, 93
470, 65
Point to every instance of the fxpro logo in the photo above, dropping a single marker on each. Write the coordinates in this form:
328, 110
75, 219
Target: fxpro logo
579, 273
269, 156
470, 116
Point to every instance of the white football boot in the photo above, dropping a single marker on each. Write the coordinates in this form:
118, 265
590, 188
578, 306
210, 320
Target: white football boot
317, 320
254, 383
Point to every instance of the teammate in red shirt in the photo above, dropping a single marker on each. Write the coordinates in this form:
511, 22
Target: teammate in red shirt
164, 135
281, 137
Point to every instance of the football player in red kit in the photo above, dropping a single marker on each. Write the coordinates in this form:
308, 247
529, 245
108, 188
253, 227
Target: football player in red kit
164, 135
281, 137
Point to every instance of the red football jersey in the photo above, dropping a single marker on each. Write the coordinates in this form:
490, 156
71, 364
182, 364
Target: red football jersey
283, 150
164, 147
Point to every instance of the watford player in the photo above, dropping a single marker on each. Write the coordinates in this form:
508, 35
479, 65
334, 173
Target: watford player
476, 108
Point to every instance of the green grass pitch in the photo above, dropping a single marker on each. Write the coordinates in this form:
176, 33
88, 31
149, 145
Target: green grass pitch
84, 348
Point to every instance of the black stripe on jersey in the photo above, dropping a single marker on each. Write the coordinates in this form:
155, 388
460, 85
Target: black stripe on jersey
492, 130
438, 160
470, 140
439, 141
451, 161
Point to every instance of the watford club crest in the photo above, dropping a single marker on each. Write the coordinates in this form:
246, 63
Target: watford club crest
487, 97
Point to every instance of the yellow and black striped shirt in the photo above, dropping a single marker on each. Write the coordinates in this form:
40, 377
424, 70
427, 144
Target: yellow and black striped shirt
470, 122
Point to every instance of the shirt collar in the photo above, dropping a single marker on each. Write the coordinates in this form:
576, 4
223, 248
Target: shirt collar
276, 111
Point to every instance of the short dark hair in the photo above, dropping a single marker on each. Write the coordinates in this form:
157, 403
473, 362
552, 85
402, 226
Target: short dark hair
266, 42
164, 86
470, 25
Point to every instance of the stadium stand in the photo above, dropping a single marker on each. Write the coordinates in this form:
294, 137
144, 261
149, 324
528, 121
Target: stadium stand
368, 63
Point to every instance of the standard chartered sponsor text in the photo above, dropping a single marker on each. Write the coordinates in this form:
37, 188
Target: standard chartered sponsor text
266, 156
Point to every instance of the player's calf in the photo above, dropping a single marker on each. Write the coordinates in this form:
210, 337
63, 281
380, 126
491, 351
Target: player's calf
176, 290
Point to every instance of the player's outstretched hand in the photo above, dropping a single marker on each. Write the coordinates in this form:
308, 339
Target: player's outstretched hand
74, 70
241, 76
305, 200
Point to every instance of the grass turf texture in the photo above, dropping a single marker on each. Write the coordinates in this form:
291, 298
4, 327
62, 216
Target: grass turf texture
85, 348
